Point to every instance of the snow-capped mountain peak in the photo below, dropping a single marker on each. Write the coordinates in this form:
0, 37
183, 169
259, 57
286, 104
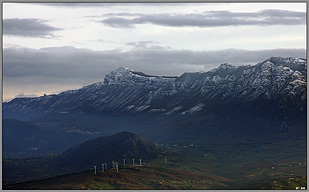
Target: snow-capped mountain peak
288, 60
123, 70
130, 77
225, 66
126, 90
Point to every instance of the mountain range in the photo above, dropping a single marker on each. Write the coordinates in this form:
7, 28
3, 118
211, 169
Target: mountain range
127, 91
262, 102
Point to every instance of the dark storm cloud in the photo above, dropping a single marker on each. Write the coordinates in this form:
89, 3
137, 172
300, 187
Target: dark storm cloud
211, 19
67, 63
28, 28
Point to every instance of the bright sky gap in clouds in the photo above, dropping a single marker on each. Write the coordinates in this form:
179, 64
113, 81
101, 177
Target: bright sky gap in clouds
52, 47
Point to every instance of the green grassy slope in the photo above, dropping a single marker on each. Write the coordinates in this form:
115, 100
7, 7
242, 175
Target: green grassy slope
194, 165
142, 177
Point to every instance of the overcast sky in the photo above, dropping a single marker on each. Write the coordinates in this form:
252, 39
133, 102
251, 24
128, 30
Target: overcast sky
53, 47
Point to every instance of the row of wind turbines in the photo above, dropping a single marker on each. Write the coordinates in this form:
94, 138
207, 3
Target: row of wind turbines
116, 165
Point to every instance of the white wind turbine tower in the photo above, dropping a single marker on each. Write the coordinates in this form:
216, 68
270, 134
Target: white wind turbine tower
133, 161
102, 167
117, 167
106, 166
140, 161
95, 169
124, 162
113, 164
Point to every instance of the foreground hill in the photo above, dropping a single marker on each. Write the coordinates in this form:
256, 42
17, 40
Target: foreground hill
145, 177
105, 149
153, 178
218, 167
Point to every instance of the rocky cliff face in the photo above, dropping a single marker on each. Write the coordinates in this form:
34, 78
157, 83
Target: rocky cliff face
127, 91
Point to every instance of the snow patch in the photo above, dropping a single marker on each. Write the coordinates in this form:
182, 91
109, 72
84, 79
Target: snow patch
157, 110
194, 109
226, 66
216, 79
142, 108
267, 66
174, 110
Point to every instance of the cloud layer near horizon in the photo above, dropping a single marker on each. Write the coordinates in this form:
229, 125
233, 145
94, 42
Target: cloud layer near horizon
29, 72
208, 19
70, 62
28, 28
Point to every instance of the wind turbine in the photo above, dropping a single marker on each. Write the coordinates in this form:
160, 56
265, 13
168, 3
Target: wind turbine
124, 162
113, 164
102, 167
133, 161
140, 161
106, 166
117, 167
95, 169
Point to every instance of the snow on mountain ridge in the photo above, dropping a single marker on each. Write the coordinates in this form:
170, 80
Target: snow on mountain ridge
225, 66
129, 77
125, 90
126, 76
123, 69
289, 60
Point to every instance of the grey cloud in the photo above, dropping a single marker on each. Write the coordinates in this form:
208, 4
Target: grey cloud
123, 14
62, 68
106, 4
63, 63
77, 5
141, 44
104, 41
21, 95
119, 22
211, 19
28, 28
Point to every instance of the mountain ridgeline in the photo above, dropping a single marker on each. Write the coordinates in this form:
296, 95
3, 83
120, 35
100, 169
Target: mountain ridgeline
127, 91
265, 101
